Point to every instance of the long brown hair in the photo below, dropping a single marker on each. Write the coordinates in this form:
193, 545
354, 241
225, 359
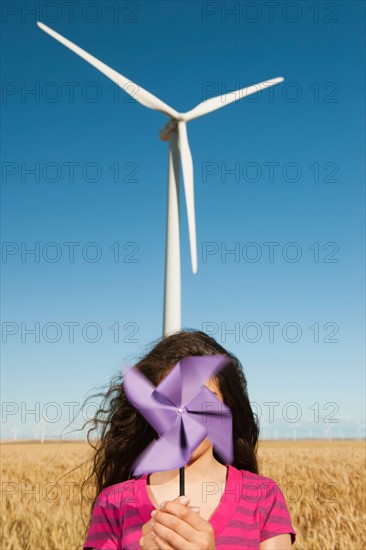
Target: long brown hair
117, 421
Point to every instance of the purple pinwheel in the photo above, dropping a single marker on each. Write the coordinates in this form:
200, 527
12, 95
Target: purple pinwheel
183, 411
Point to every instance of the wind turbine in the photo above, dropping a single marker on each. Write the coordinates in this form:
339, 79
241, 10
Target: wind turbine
293, 428
39, 431
328, 431
265, 425
297, 427
42, 423
175, 132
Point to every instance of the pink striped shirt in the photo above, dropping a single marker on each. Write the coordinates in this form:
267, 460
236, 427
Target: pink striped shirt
252, 509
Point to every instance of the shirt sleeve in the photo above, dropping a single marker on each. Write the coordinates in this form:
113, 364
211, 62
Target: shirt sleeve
104, 531
275, 517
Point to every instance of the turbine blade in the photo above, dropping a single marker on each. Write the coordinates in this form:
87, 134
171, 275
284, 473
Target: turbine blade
222, 100
137, 92
187, 169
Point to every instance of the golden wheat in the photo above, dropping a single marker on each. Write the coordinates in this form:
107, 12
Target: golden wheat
323, 483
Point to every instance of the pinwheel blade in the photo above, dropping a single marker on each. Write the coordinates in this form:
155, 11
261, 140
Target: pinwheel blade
157, 409
183, 411
217, 102
137, 92
216, 418
187, 170
173, 449
184, 381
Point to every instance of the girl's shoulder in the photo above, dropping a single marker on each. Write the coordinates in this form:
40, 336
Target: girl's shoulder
256, 478
259, 487
266, 498
121, 493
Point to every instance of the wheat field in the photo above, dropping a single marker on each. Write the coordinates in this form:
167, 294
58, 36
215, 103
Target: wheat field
323, 483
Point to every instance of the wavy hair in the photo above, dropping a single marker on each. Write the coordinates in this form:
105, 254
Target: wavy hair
118, 421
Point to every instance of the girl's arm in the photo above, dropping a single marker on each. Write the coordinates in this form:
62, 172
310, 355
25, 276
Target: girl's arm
282, 542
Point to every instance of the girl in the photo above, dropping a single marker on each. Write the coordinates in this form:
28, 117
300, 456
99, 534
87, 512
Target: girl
226, 506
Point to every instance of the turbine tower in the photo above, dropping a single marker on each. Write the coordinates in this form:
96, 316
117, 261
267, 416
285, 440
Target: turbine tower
39, 431
41, 425
264, 425
174, 132
328, 431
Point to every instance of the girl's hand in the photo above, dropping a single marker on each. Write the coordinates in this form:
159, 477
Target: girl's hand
146, 542
177, 527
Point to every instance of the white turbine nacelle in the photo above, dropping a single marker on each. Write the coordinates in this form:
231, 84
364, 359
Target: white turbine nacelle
175, 132
170, 126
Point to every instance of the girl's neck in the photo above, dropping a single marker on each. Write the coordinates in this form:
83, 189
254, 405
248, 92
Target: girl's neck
205, 466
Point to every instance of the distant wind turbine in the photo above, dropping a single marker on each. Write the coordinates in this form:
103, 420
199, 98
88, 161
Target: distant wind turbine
293, 428
297, 427
39, 431
175, 132
15, 433
328, 430
265, 425
42, 431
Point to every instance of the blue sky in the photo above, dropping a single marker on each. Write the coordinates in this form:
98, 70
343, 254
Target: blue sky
82, 163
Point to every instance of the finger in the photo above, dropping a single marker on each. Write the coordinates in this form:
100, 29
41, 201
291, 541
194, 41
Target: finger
147, 542
167, 539
185, 513
183, 499
151, 542
169, 524
146, 528
162, 544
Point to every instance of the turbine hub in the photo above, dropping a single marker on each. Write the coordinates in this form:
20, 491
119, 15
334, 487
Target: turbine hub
170, 126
